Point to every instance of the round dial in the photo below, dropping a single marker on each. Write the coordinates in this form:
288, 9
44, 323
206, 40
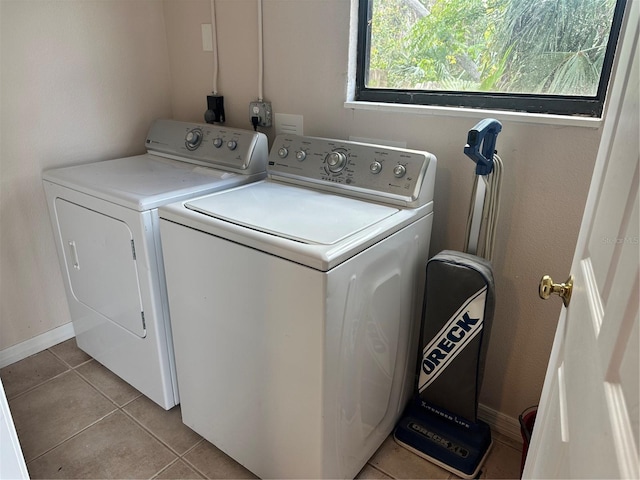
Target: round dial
232, 144
283, 152
301, 155
217, 142
336, 161
193, 139
399, 171
375, 167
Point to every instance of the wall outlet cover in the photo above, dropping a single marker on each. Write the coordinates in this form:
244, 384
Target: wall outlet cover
287, 123
207, 37
262, 110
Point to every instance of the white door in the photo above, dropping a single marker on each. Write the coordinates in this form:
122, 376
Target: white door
101, 266
587, 423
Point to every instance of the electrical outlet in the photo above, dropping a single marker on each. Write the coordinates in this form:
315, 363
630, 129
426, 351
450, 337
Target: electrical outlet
262, 110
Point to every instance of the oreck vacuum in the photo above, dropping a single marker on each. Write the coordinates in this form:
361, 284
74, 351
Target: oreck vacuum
441, 423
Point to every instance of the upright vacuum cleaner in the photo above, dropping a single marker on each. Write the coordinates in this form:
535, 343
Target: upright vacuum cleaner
441, 423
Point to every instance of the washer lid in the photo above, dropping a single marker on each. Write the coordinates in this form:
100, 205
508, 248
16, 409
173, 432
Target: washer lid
295, 213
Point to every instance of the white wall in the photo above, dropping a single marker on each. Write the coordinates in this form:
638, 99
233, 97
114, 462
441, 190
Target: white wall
80, 80
547, 168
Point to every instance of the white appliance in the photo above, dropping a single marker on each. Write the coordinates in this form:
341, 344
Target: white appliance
106, 227
296, 304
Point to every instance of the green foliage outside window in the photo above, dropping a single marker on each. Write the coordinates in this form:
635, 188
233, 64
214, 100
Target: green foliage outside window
549, 47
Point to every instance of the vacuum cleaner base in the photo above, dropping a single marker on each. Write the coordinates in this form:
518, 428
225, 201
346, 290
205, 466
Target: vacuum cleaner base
456, 448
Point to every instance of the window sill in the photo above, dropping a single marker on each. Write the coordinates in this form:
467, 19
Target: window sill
503, 116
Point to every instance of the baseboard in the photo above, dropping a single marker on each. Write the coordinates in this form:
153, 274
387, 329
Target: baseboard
36, 344
501, 423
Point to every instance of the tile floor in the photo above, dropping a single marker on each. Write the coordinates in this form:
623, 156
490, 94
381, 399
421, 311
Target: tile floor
75, 419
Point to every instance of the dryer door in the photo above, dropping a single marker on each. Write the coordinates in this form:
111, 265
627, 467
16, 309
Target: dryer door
100, 258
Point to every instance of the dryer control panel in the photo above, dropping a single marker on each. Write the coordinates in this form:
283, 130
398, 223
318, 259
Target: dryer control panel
397, 175
234, 149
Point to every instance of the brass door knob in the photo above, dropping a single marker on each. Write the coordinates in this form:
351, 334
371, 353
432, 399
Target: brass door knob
547, 287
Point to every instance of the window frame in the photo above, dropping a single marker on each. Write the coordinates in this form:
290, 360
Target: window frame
587, 106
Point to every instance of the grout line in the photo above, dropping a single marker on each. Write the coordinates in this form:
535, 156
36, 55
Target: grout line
191, 465
166, 467
154, 437
146, 429
378, 469
381, 470
43, 382
99, 390
82, 364
112, 412
31, 389
190, 449
129, 402
88, 382
179, 456
65, 362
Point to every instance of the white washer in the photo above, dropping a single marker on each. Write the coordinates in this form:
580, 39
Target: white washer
296, 304
106, 227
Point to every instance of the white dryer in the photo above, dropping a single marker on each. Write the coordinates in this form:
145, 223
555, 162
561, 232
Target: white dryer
106, 228
296, 304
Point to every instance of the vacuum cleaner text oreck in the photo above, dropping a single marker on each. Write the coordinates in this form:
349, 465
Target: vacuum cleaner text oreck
447, 344
461, 328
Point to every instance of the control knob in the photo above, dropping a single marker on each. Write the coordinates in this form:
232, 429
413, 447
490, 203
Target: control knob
217, 142
283, 152
301, 155
375, 167
336, 161
193, 139
232, 144
399, 170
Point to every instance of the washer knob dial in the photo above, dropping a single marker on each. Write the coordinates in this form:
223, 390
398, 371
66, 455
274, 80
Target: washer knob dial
193, 139
283, 152
399, 171
232, 144
217, 142
301, 155
336, 161
375, 167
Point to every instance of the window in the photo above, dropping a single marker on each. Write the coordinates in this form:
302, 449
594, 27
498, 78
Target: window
539, 56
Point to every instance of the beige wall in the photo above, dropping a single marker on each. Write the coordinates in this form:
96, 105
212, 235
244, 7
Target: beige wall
82, 80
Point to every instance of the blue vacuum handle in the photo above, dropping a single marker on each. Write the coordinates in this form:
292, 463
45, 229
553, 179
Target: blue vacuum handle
484, 135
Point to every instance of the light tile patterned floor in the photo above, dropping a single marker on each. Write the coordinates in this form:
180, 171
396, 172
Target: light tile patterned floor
75, 419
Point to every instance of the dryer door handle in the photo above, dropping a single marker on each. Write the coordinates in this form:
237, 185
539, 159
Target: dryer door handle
74, 254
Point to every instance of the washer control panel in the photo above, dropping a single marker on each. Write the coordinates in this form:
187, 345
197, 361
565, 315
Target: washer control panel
234, 149
372, 170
